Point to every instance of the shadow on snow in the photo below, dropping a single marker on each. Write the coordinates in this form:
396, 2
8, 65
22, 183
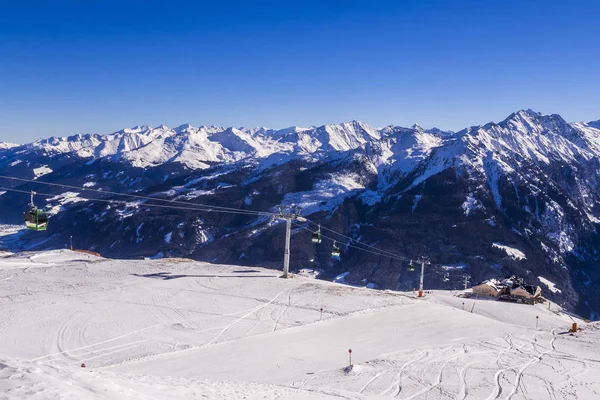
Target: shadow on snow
168, 275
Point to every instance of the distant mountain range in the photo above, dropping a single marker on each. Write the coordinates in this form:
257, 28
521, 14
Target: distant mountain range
470, 200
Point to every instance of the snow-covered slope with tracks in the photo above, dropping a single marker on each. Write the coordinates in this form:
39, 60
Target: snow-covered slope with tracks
182, 329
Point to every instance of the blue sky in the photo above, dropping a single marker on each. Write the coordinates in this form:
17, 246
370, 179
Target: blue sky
71, 67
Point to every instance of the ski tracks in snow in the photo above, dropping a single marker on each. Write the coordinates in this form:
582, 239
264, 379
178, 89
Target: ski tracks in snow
167, 313
238, 320
464, 390
366, 385
285, 308
178, 313
161, 301
399, 379
56, 356
538, 358
497, 392
439, 376
498, 387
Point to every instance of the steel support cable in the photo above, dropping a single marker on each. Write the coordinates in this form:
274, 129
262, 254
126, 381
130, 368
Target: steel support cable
363, 244
124, 202
187, 203
356, 247
201, 207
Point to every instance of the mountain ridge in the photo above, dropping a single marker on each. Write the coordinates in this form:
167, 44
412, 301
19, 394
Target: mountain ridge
531, 181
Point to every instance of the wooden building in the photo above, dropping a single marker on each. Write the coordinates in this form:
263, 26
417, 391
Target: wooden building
490, 288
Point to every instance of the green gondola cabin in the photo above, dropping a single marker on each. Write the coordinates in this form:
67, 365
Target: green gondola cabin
35, 219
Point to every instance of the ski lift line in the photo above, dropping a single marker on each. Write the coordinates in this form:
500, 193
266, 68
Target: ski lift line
139, 197
363, 249
112, 201
204, 207
135, 196
381, 254
364, 244
349, 245
197, 207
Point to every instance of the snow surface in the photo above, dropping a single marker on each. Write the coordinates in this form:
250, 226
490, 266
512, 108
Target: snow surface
550, 285
454, 267
10, 237
341, 278
471, 204
10, 229
56, 204
41, 171
6, 145
415, 203
175, 328
326, 194
513, 253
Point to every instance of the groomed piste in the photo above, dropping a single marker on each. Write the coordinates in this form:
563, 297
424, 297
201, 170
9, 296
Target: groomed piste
178, 329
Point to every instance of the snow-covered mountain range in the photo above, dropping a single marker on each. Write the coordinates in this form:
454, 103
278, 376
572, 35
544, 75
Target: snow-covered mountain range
199, 147
529, 183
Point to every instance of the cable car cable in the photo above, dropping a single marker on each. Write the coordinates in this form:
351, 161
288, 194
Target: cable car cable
135, 196
362, 243
124, 202
199, 207
349, 245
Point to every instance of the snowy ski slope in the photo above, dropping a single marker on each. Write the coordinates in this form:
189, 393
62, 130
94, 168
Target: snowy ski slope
175, 328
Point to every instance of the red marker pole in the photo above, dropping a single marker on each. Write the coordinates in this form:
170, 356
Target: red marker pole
350, 355
537, 319
321, 312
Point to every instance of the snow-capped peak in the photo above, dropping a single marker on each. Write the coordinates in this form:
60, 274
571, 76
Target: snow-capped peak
523, 120
5, 145
527, 133
139, 128
530, 122
184, 127
438, 131
345, 136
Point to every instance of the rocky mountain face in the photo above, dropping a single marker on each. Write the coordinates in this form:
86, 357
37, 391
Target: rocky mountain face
517, 197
